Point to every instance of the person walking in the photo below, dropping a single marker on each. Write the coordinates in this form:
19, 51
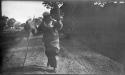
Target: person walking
50, 27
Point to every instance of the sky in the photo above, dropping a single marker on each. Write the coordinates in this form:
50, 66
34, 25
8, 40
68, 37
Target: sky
22, 10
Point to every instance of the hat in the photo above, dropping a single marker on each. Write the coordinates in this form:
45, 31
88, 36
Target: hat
46, 14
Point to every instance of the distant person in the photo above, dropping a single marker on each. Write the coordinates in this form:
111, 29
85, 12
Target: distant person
50, 27
30, 27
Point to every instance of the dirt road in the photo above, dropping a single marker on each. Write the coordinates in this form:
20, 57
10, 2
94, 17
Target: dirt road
74, 58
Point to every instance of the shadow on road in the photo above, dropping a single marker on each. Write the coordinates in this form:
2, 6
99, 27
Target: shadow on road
27, 69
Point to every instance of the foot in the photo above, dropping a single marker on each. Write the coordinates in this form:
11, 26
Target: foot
49, 67
57, 57
48, 64
54, 70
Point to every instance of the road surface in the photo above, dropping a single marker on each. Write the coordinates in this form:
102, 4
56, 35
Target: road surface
74, 58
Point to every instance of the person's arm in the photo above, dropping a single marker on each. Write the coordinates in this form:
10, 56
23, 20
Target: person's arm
41, 28
58, 25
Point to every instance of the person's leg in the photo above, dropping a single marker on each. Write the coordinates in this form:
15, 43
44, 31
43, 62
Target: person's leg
48, 57
51, 54
51, 59
53, 62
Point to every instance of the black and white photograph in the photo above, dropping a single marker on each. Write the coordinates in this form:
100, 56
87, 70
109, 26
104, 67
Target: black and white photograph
40, 37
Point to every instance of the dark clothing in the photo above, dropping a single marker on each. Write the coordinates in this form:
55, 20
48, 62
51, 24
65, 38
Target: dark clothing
51, 40
50, 34
51, 53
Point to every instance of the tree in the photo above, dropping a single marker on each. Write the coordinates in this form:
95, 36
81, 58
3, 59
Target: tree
55, 11
3, 22
22, 25
11, 22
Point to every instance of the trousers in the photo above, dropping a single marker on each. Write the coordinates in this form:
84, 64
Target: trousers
51, 53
